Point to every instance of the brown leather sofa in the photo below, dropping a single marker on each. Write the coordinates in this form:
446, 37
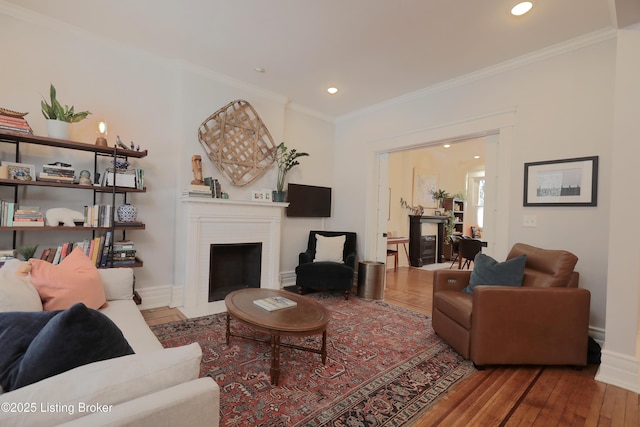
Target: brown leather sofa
544, 322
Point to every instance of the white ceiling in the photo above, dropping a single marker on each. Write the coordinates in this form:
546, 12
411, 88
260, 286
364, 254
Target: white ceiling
372, 50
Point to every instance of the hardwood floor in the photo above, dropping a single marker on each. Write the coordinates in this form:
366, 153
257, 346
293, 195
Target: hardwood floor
502, 396
516, 396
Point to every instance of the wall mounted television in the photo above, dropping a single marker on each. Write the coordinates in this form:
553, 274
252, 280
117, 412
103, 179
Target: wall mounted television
308, 201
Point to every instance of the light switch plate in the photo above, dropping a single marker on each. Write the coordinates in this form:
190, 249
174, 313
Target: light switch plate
529, 221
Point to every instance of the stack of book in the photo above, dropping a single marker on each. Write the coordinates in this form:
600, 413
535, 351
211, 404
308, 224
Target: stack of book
7, 255
28, 216
199, 190
123, 253
14, 121
57, 173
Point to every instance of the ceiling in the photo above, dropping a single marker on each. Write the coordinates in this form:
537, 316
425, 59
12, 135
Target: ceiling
372, 50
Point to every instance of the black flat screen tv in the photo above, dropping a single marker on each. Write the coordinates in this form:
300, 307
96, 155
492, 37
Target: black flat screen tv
308, 201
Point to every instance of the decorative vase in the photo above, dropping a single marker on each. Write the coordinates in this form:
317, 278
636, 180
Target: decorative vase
127, 213
279, 196
58, 129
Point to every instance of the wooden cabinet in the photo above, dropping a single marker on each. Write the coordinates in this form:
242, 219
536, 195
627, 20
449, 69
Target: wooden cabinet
457, 207
116, 194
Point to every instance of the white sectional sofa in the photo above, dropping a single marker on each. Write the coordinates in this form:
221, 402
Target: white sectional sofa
153, 387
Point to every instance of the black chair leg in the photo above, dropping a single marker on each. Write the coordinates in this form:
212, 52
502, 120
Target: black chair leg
453, 262
346, 295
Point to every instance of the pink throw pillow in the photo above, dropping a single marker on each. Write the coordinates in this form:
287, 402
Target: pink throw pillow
74, 280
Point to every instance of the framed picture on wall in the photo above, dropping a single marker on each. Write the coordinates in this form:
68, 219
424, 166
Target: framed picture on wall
567, 182
424, 184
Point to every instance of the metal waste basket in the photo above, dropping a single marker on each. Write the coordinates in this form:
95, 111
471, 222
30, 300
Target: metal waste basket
371, 276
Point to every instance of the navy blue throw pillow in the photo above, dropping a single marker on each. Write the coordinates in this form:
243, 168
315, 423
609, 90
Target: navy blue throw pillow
488, 271
17, 330
73, 337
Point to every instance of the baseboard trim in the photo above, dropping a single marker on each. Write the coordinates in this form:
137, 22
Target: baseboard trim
287, 278
620, 370
157, 296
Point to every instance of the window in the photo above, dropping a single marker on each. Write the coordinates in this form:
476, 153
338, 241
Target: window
476, 185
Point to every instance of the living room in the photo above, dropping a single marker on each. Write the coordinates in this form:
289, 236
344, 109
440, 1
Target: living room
576, 99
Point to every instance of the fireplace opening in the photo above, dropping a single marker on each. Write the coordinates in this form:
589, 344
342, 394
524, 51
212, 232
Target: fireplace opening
233, 266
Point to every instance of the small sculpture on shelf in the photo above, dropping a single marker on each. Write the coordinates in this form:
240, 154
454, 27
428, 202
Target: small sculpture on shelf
85, 177
120, 144
67, 217
196, 167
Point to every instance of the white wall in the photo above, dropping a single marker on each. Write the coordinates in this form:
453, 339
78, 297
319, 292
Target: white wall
620, 353
158, 103
552, 121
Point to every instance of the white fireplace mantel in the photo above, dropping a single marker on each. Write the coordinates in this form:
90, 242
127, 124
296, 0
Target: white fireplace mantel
208, 221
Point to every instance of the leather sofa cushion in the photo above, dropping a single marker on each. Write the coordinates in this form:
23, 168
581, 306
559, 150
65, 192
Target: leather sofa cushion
456, 305
545, 267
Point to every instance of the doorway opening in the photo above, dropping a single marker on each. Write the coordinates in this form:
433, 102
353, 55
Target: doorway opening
415, 173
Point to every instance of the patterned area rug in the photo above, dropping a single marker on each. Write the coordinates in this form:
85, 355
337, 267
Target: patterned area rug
385, 367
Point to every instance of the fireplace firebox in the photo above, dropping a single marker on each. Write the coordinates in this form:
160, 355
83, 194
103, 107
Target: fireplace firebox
233, 266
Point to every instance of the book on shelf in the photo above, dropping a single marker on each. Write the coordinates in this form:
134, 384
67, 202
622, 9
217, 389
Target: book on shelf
6, 210
8, 253
68, 171
275, 303
16, 124
124, 245
105, 249
98, 215
196, 189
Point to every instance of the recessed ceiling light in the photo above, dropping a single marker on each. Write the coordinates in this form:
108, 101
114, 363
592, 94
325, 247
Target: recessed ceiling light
259, 69
332, 90
447, 145
521, 8
476, 157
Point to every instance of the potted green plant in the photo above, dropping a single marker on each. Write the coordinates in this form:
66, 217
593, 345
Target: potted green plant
286, 159
27, 252
439, 196
59, 117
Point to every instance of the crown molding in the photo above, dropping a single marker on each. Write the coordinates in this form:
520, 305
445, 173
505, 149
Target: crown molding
521, 61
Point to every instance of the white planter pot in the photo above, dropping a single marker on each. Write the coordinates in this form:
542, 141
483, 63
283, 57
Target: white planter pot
58, 129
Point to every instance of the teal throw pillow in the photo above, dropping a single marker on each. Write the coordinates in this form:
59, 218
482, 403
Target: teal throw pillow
488, 271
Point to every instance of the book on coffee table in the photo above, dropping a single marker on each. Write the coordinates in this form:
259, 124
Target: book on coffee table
275, 303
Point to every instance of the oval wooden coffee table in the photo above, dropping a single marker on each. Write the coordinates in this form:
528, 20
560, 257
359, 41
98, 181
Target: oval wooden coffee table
306, 318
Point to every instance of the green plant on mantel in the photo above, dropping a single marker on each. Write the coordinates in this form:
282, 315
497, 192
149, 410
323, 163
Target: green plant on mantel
286, 160
439, 196
55, 110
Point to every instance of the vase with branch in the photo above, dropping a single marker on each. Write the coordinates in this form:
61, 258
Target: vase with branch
415, 210
286, 159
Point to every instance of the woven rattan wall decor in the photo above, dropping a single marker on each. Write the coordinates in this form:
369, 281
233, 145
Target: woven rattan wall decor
238, 142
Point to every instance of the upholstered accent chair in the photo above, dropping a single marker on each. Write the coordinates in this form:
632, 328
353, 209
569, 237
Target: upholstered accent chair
328, 262
543, 321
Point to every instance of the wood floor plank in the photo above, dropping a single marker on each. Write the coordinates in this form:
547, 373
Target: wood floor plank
631, 416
